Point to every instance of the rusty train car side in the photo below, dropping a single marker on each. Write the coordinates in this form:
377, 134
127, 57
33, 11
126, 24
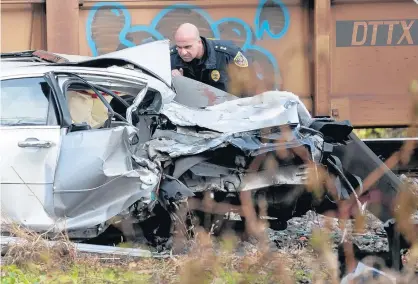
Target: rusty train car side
347, 59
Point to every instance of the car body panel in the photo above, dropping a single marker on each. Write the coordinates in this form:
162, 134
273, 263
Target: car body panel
28, 205
96, 178
21, 163
27, 174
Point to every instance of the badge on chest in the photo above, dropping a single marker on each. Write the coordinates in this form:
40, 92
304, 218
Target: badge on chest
215, 75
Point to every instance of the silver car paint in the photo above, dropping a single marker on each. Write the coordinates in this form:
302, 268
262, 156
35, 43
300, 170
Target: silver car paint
39, 203
96, 178
27, 175
245, 114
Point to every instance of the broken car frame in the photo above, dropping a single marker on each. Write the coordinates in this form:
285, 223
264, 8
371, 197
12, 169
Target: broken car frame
147, 149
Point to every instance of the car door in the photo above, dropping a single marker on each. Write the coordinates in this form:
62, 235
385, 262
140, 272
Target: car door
29, 148
96, 177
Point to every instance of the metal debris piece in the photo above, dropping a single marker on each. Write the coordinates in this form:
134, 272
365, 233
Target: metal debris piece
364, 274
88, 248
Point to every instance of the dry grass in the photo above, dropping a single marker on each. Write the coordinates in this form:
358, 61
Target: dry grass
35, 262
208, 262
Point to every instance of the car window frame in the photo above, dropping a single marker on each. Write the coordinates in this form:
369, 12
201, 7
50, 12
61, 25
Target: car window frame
53, 118
96, 78
65, 89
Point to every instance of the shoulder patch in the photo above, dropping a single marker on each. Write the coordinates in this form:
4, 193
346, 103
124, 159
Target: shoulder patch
240, 60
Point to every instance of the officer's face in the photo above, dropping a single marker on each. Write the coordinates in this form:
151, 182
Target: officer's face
188, 49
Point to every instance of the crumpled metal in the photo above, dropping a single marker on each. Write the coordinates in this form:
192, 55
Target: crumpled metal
98, 176
268, 109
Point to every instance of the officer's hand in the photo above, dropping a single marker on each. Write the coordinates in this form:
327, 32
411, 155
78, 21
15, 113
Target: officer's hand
176, 72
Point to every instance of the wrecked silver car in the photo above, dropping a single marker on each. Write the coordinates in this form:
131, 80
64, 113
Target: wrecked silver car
92, 143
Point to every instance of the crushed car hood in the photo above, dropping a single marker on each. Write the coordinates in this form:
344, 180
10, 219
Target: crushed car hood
269, 109
232, 122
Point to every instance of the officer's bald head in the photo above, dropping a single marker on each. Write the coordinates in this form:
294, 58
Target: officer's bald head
188, 42
187, 31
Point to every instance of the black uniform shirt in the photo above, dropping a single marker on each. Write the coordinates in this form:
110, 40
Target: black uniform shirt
211, 69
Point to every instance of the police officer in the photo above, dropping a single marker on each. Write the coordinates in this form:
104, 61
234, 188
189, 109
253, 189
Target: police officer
204, 59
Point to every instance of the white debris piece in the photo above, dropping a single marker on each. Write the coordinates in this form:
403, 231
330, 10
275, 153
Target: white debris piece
364, 274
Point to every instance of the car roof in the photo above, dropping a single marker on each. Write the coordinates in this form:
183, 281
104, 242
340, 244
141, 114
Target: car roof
152, 58
37, 70
41, 56
14, 64
25, 69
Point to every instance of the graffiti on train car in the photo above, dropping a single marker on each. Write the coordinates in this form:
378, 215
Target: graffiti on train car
377, 33
109, 22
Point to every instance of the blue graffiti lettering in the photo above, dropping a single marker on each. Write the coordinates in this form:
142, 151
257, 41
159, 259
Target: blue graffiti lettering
271, 19
263, 25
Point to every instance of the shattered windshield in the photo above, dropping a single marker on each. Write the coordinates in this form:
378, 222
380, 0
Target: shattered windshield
24, 101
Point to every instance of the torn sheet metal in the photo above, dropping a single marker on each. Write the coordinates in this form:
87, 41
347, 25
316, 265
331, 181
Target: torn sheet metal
205, 169
168, 144
285, 175
386, 187
183, 164
97, 177
88, 248
221, 178
268, 109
